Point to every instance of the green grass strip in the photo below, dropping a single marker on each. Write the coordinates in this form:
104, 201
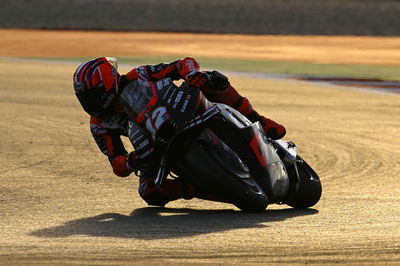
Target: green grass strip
272, 67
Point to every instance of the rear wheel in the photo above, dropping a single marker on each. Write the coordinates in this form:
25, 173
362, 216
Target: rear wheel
308, 189
225, 175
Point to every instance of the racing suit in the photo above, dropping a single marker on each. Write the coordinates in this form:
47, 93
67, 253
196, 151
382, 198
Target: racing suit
107, 131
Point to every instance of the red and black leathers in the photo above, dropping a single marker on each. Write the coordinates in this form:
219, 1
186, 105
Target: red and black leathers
108, 130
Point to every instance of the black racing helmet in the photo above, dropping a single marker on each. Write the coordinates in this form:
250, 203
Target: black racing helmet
96, 85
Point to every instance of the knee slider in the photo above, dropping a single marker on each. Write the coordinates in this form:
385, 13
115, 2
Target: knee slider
218, 81
155, 198
152, 194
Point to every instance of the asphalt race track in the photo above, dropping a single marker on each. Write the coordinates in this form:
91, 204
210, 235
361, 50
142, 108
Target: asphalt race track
61, 204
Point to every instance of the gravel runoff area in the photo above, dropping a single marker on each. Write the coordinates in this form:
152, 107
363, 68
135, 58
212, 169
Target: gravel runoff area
61, 204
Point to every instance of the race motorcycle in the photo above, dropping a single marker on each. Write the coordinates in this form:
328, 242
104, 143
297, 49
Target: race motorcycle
216, 148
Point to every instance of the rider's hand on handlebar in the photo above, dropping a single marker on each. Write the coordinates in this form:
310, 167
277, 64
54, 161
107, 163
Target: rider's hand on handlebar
197, 79
135, 163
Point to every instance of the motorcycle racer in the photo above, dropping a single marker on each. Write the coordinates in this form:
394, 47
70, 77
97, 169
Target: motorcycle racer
97, 86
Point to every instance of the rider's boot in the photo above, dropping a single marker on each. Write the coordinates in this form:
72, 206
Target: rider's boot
271, 128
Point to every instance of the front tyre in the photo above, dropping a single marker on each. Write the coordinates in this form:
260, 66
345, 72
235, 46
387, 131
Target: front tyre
308, 188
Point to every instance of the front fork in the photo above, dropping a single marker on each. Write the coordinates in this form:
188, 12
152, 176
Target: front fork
278, 180
288, 153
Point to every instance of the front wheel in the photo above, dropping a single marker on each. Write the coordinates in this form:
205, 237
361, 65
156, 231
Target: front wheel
225, 175
308, 188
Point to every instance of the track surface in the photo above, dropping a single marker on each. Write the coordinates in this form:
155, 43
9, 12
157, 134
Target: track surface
60, 203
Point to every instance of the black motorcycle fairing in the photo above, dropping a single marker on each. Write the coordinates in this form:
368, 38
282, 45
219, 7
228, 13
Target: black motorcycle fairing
152, 105
200, 140
244, 139
218, 170
248, 139
141, 140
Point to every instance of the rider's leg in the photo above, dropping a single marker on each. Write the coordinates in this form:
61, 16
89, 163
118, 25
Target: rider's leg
221, 91
171, 189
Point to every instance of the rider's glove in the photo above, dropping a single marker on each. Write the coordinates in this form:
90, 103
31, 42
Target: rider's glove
134, 163
197, 79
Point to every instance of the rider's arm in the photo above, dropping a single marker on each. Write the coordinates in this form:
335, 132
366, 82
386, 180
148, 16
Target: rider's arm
110, 144
175, 70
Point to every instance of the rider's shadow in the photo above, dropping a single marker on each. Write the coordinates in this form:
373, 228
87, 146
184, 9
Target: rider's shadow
161, 223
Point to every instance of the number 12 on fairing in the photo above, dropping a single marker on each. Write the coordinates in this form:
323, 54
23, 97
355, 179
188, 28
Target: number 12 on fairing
156, 120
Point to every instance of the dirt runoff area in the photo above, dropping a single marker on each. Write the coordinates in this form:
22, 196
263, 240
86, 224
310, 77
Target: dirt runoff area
61, 204
318, 49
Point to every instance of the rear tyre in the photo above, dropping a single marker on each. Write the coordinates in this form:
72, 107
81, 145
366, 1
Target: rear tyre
308, 190
224, 176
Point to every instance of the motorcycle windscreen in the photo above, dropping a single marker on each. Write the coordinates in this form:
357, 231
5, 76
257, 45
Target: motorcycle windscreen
137, 98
